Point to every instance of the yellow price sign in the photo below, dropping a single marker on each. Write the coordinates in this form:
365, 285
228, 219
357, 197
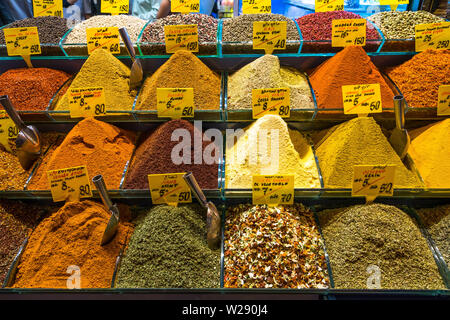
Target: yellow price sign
348, 32
8, 130
181, 37
273, 189
43, 8
175, 103
371, 181
169, 189
22, 41
115, 7
443, 108
86, 102
271, 101
256, 6
185, 6
105, 38
269, 35
329, 5
69, 184
432, 36
362, 98
393, 3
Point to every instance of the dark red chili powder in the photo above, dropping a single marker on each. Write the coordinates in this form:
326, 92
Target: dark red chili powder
31, 88
154, 155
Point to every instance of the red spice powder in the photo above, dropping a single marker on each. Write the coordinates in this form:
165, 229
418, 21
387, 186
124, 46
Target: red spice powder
31, 88
350, 66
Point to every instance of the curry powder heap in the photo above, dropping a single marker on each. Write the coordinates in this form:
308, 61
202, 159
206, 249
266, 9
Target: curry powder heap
103, 148
71, 237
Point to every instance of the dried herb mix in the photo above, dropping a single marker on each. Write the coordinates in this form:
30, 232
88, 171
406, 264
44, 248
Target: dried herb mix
377, 235
273, 247
168, 249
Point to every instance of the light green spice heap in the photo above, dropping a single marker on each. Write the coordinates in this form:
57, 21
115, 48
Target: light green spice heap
168, 249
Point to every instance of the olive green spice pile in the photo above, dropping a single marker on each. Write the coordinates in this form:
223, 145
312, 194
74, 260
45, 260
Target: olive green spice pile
168, 249
364, 236
273, 247
437, 222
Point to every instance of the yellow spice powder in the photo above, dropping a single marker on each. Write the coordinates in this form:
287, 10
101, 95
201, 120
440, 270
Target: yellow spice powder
269, 147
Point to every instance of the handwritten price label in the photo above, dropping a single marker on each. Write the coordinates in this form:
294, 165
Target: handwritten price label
270, 35
43, 8
271, 101
373, 181
329, 5
86, 102
432, 36
181, 37
348, 32
443, 108
8, 130
256, 6
69, 184
115, 7
175, 103
105, 38
185, 6
362, 99
273, 190
169, 189
22, 41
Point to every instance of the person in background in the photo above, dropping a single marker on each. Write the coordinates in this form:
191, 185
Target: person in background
206, 7
5, 15
145, 9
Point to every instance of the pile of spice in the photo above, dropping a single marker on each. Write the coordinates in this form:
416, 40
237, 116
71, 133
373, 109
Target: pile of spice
237, 33
12, 175
350, 66
168, 249
102, 69
103, 148
182, 70
273, 247
437, 222
431, 153
364, 239
154, 155
419, 78
318, 27
266, 72
359, 141
153, 40
31, 88
71, 237
289, 153
17, 220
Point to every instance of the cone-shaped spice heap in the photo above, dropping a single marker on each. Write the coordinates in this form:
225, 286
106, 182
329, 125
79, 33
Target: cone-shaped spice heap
359, 141
350, 66
102, 69
103, 148
288, 152
154, 155
182, 70
430, 151
71, 237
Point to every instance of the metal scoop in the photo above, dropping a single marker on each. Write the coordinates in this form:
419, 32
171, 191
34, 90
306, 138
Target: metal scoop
113, 223
212, 215
136, 74
399, 138
28, 141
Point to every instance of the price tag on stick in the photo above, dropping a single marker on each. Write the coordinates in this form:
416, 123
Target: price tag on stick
8, 130
69, 184
43, 8
432, 36
181, 37
348, 32
443, 108
106, 38
393, 3
269, 35
175, 103
86, 102
273, 189
22, 41
329, 5
373, 181
185, 6
256, 6
271, 101
169, 189
362, 99
115, 7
